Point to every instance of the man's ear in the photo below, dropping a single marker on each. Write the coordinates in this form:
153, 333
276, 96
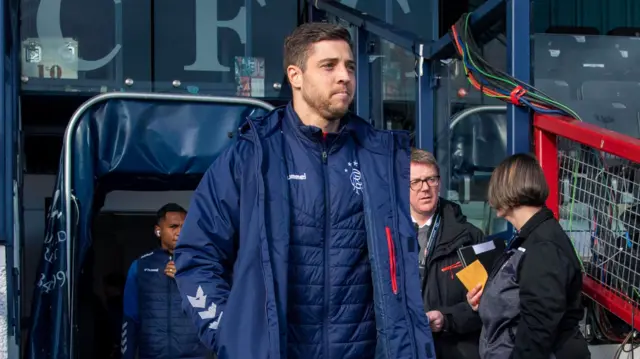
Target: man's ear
294, 75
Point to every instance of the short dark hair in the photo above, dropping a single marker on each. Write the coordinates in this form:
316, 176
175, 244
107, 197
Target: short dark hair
169, 207
518, 181
297, 45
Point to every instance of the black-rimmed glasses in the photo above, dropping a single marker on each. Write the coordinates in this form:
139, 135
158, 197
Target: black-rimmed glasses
432, 181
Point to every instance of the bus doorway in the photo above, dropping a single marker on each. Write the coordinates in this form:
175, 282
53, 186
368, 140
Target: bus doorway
118, 239
122, 231
118, 142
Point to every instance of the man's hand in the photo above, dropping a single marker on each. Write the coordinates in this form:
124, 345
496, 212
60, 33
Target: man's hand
473, 297
436, 320
170, 269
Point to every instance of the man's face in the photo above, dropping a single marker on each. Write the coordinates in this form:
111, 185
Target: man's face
170, 228
328, 82
423, 196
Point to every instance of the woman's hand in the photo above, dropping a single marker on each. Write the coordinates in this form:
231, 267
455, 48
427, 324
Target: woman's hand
473, 297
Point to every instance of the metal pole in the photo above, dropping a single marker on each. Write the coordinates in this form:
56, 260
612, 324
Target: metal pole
363, 88
7, 163
426, 87
519, 65
425, 104
376, 83
546, 148
68, 164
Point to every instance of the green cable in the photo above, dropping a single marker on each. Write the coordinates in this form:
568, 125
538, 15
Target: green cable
544, 98
467, 54
512, 83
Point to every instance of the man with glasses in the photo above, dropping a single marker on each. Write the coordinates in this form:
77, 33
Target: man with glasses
442, 230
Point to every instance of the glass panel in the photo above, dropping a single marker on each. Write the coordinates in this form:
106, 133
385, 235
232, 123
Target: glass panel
85, 45
397, 71
392, 82
469, 146
375, 8
412, 16
231, 47
596, 76
222, 47
405, 14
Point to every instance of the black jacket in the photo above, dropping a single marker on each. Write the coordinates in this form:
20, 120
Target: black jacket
550, 281
443, 291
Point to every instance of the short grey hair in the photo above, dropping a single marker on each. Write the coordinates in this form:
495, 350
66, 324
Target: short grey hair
425, 158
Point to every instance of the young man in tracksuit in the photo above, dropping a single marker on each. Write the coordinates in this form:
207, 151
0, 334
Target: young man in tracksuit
442, 230
154, 324
299, 242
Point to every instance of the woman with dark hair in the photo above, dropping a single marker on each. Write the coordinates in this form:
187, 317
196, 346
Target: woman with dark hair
531, 305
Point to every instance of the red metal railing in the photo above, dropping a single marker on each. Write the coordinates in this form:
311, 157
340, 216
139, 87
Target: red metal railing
594, 179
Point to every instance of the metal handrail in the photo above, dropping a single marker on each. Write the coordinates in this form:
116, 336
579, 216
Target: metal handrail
466, 113
67, 163
474, 111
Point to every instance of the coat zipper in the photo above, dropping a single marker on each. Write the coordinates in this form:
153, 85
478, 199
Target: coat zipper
274, 344
327, 238
392, 261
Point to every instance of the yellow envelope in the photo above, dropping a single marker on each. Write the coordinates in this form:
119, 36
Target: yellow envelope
473, 275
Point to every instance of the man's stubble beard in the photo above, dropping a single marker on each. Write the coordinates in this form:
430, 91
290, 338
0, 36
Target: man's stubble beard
324, 108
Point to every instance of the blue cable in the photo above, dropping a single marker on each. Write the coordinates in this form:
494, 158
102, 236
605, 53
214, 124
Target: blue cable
484, 83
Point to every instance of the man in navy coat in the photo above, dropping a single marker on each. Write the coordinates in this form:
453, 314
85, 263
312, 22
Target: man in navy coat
154, 323
299, 242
